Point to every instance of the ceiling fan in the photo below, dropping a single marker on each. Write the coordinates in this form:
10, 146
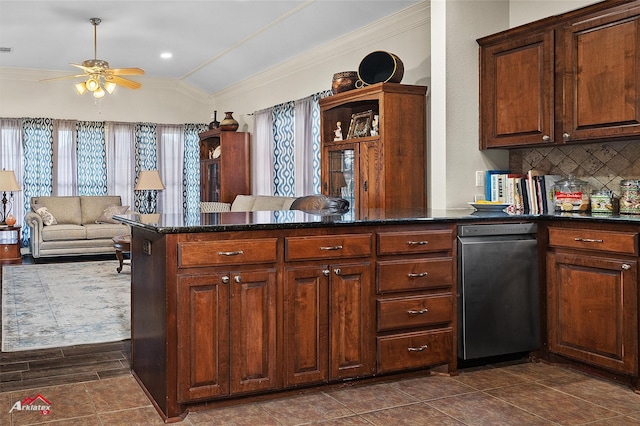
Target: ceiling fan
100, 78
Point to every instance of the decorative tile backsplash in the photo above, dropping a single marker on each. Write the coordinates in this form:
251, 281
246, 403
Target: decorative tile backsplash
602, 165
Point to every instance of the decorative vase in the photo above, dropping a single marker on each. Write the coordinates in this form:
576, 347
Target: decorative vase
215, 123
228, 124
10, 219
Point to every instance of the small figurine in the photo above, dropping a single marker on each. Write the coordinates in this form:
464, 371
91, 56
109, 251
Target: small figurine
374, 126
338, 132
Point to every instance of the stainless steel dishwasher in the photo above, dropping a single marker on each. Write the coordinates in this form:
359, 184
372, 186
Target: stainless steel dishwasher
498, 299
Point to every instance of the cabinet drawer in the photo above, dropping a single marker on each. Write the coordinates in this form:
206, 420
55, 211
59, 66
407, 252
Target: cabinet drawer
415, 242
414, 311
402, 275
229, 252
9, 251
327, 247
593, 239
414, 350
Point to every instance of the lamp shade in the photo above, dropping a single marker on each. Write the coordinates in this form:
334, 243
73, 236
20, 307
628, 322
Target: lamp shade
8, 182
149, 180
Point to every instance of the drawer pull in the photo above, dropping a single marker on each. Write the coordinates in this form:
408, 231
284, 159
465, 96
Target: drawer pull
417, 243
420, 275
626, 266
230, 253
331, 248
420, 349
420, 312
588, 240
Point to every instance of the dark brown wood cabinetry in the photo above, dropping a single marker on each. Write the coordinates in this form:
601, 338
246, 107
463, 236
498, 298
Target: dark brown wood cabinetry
569, 78
369, 170
592, 285
225, 165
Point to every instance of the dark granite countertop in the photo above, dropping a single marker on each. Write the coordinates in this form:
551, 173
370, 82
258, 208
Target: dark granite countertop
293, 219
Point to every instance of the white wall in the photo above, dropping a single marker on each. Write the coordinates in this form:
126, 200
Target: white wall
525, 11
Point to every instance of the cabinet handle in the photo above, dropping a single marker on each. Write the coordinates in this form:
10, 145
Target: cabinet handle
566, 136
420, 349
546, 138
588, 240
326, 272
6, 249
420, 275
417, 243
365, 186
420, 312
230, 253
338, 271
331, 248
626, 266
225, 280
237, 279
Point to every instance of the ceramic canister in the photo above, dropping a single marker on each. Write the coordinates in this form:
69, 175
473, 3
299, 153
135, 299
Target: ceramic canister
630, 196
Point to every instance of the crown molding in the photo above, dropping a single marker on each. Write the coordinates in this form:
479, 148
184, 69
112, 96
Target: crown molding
387, 27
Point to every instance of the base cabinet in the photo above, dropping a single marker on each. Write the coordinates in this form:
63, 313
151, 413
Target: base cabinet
226, 332
593, 298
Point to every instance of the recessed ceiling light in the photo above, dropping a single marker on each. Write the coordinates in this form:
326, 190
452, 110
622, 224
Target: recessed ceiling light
166, 55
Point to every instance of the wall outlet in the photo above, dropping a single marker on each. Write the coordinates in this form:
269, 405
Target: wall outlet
480, 178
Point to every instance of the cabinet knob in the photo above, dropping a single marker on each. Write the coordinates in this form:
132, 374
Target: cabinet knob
225, 280
6, 249
338, 271
566, 136
546, 138
237, 279
326, 272
626, 266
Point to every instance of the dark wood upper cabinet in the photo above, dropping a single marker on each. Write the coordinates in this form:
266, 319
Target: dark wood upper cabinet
570, 78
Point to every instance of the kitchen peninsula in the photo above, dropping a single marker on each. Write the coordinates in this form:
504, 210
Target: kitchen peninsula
245, 304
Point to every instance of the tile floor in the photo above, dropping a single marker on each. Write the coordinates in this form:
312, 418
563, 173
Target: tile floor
514, 394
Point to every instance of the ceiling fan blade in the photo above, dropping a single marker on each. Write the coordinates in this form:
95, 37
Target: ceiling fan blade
64, 77
82, 67
130, 84
126, 71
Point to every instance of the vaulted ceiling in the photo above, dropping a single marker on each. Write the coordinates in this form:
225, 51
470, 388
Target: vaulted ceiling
214, 43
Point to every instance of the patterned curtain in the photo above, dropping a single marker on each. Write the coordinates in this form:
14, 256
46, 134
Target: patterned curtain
283, 156
191, 173
37, 147
146, 151
92, 158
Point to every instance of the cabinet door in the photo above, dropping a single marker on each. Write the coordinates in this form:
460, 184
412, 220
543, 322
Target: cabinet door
203, 337
517, 92
372, 189
351, 330
306, 341
253, 330
602, 77
593, 310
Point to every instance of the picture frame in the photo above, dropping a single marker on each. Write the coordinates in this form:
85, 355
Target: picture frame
360, 125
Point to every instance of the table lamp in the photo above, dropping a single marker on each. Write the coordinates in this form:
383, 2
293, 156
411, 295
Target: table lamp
8, 183
149, 180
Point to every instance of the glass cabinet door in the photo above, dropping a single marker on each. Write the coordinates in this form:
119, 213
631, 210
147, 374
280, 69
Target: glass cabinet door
342, 175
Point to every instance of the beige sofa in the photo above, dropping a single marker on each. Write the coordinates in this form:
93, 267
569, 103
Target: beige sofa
247, 203
71, 226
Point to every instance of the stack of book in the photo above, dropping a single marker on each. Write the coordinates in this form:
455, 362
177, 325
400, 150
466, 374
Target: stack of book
531, 192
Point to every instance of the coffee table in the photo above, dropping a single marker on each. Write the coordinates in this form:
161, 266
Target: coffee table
122, 244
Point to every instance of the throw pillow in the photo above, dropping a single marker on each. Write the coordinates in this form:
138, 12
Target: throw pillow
107, 214
47, 217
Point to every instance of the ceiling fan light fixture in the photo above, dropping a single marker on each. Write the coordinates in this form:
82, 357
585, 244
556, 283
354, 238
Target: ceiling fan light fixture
109, 86
99, 93
81, 88
92, 84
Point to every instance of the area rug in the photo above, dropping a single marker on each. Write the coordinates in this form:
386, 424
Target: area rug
65, 304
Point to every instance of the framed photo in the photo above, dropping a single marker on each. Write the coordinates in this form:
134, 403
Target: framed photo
360, 126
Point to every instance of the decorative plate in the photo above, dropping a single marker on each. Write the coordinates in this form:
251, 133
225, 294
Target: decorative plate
493, 207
